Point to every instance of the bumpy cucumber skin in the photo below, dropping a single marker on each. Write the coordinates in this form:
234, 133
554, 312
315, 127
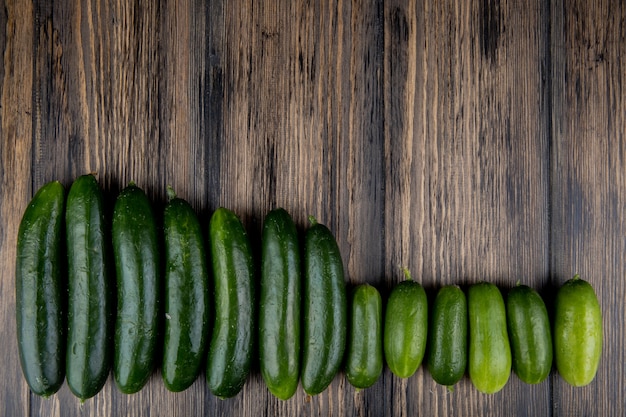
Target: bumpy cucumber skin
489, 348
406, 328
232, 342
325, 310
529, 334
38, 291
365, 345
447, 341
90, 305
136, 254
578, 332
187, 302
280, 299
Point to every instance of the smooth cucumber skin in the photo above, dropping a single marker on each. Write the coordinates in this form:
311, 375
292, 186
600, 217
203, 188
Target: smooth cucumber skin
38, 291
280, 299
578, 332
136, 254
489, 348
447, 341
365, 340
90, 317
325, 310
186, 298
529, 334
232, 342
406, 328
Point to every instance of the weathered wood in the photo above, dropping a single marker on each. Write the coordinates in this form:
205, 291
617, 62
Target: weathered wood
466, 173
16, 38
589, 183
16, 72
465, 141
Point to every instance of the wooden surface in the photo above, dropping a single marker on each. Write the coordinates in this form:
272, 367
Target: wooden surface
465, 140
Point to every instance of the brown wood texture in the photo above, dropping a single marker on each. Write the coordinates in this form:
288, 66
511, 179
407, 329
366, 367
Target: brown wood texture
464, 140
588, 225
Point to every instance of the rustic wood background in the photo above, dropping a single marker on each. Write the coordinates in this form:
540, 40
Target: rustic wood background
466, 140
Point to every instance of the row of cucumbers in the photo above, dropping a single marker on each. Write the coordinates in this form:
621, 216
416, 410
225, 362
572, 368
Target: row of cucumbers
202, 309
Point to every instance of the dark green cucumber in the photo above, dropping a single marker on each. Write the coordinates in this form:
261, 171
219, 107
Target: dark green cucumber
489, 348
90, 317
279, 315
529, 334
186, 296
577, 332
38, 291
365, 341
135, 249
406, 327
232, 342
447, 341
325, 309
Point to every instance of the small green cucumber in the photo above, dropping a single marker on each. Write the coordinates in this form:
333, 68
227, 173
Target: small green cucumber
447, 341
90, 317
325, 309
187, 303
529, 334
279, 315
136, 254
489, 348
232, 342
39, 291
365, 340
577, 332
406, 327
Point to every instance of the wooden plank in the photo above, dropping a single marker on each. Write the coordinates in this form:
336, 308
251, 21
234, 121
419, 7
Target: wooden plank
122, 93
360, 203
16, 73
97, 112
362, 167
467, 174
301, 82
420, 132
212, 99
588, 183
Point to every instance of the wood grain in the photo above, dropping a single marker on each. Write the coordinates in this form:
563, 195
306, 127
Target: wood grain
15, 182
588, 183
466, 171
465, 141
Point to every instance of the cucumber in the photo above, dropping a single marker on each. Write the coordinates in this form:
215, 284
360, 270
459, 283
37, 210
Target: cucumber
578, 332
279, 315
325, 309
186, 297
406, 327
232, 342
489, 348
365, 341
90, 306
529, 334
447, 341
136, 254
39, 291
